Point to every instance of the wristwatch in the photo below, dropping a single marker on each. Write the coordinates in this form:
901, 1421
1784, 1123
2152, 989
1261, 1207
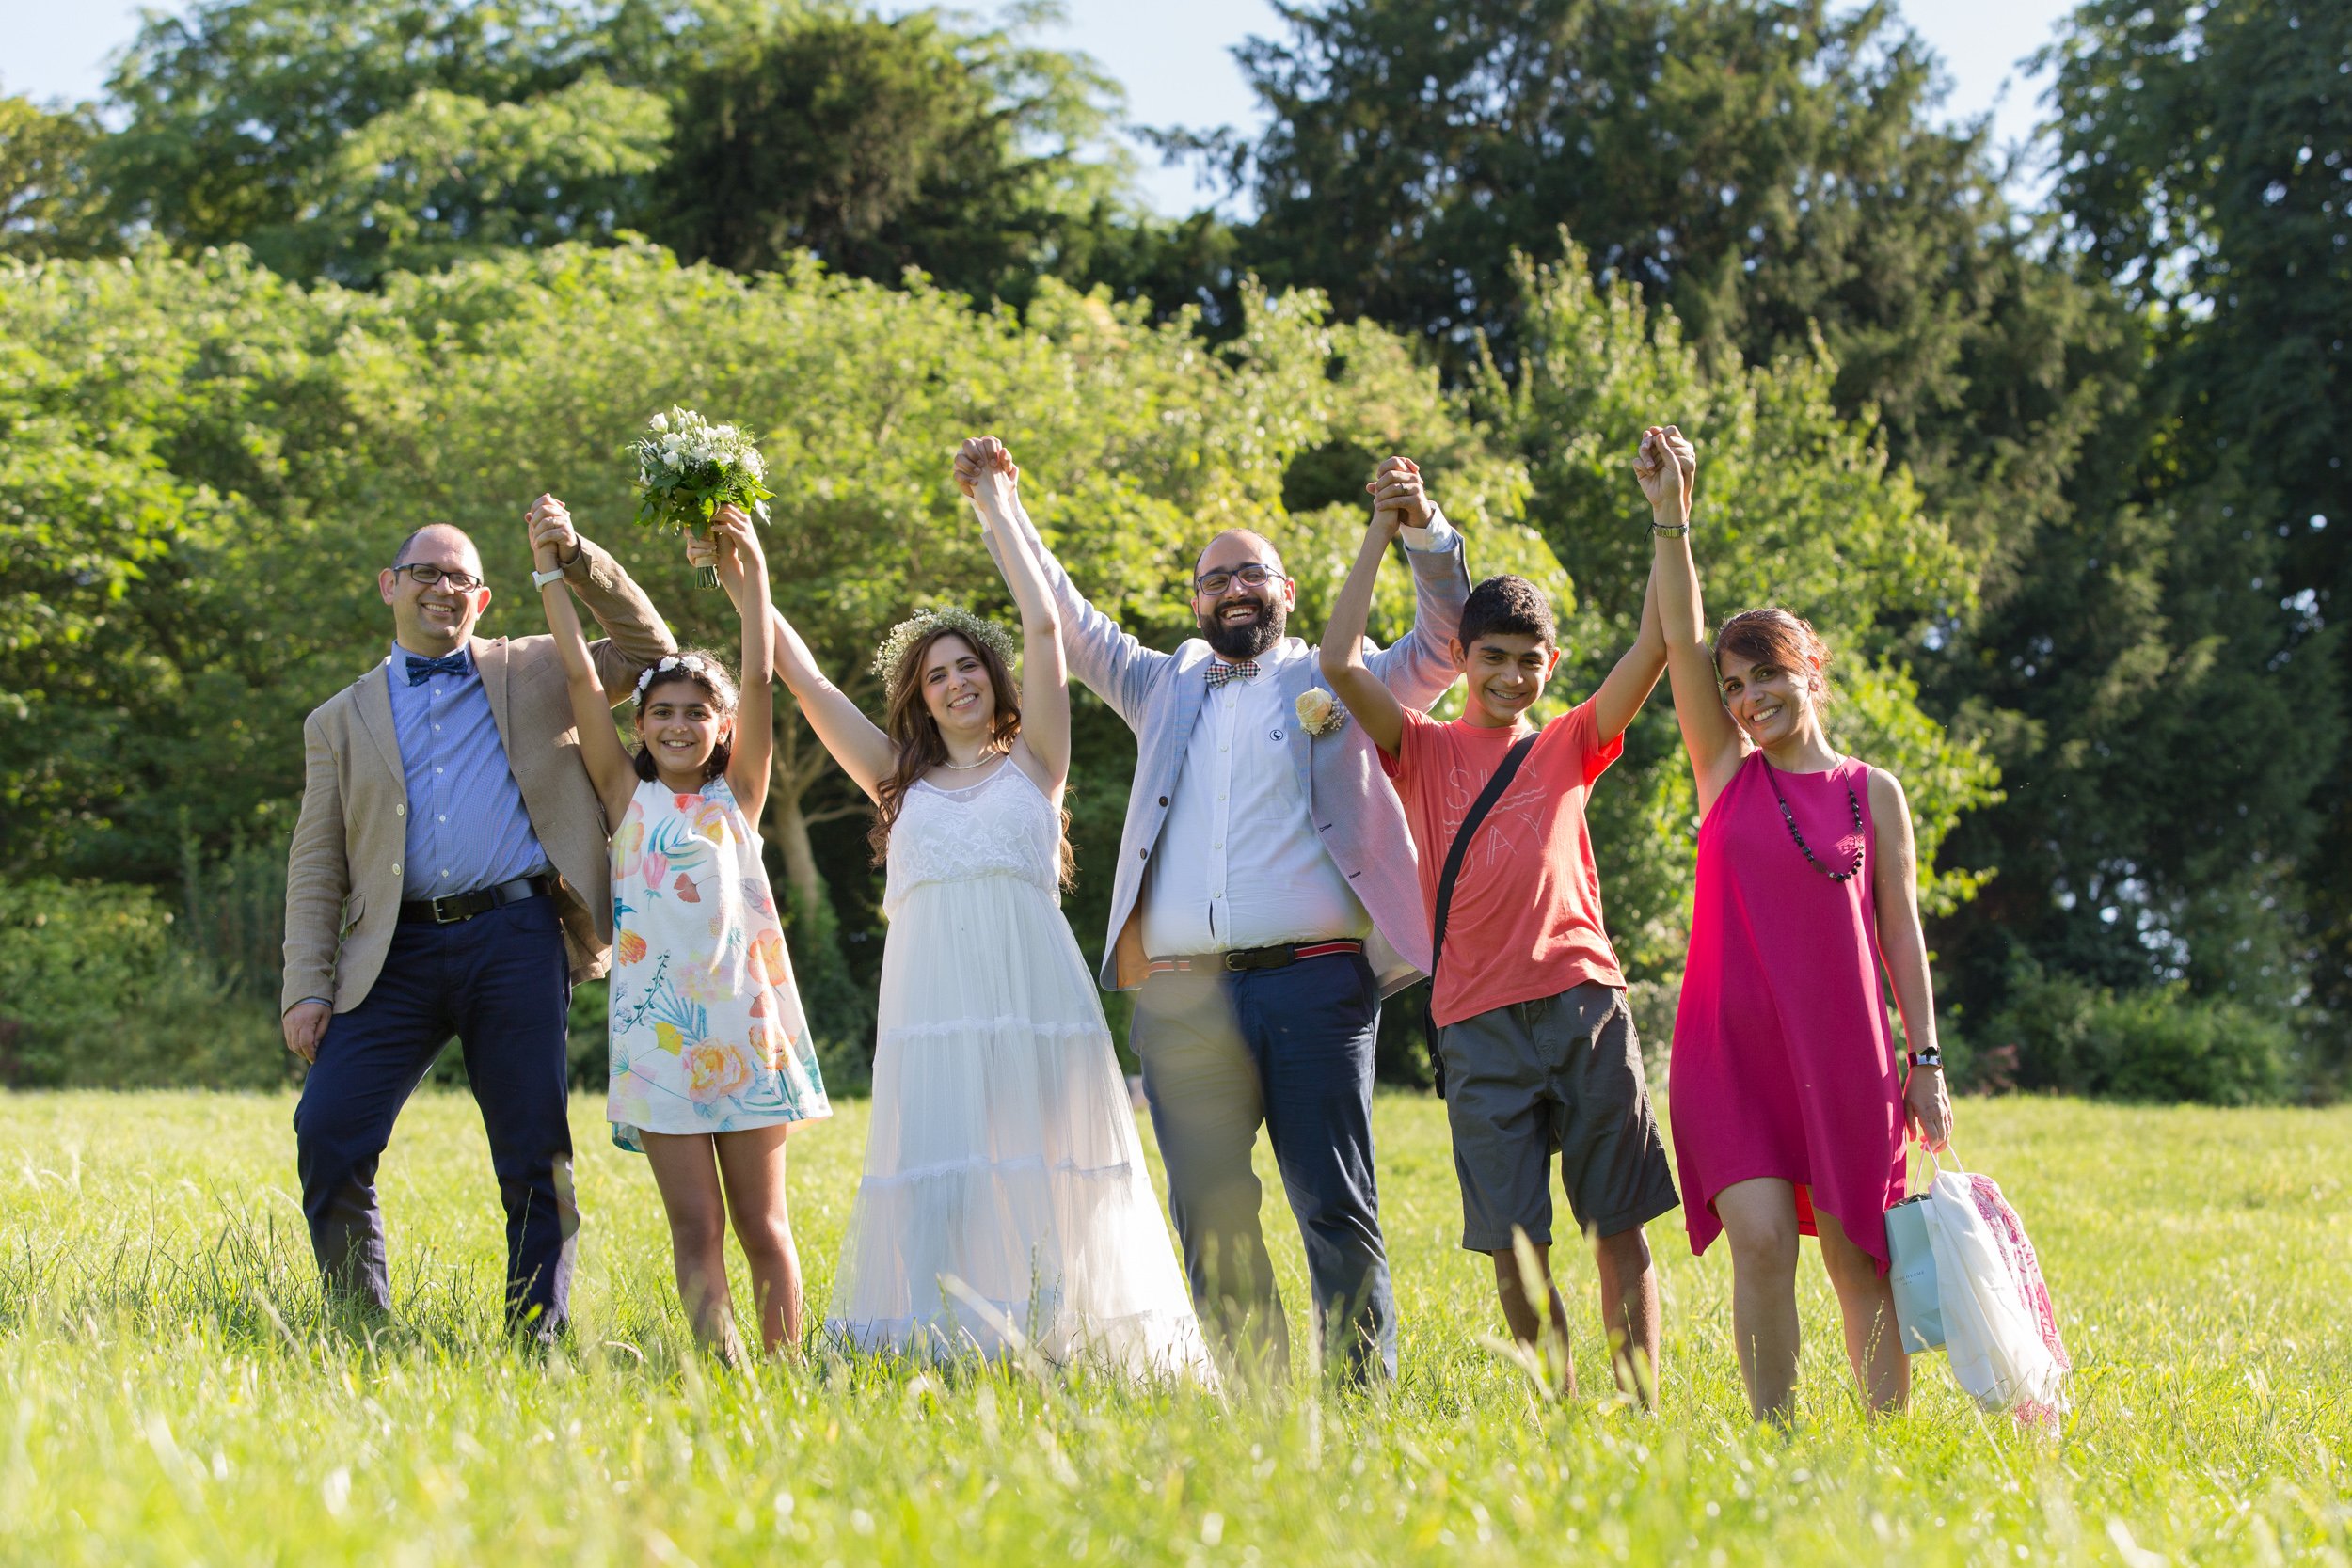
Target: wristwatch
1932, 1056
540, 580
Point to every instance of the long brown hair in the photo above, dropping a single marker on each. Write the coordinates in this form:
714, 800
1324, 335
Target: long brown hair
917, 746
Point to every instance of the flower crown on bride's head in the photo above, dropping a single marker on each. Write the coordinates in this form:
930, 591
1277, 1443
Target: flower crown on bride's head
922, 623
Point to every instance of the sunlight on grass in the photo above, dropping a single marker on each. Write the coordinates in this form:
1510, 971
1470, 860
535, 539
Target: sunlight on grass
171, 1393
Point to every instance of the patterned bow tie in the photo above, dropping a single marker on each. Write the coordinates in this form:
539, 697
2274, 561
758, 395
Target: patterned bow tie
1220, 671
423, 670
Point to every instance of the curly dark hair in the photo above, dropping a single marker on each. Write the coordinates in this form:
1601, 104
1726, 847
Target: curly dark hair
1510, 606
716, 683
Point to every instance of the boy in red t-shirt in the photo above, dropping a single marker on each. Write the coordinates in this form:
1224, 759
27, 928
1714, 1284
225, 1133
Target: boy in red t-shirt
1536, 1039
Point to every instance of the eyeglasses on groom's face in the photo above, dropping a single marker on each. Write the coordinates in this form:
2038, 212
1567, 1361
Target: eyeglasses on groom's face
426, 575
1250, 574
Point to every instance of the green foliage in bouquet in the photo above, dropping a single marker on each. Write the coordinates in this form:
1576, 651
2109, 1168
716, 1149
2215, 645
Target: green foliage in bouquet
688, 468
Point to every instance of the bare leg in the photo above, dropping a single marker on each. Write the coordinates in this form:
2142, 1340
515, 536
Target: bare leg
1548, 1339
1760, 1221
752, 1164
1629, 1311
1866, 1299
688, 1176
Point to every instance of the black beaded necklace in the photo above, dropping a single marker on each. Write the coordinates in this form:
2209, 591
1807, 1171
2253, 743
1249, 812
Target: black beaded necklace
1790, 818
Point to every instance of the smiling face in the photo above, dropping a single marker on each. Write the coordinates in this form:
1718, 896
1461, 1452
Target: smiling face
956, 690
682, 727
1506, 672
435, 620
1241, 619
1767, 699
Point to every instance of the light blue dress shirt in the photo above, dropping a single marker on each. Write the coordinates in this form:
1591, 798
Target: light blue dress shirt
468, 828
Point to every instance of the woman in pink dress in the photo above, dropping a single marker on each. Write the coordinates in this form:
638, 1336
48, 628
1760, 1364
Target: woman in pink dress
1787, 1105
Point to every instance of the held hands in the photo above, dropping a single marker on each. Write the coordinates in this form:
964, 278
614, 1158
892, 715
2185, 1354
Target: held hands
738, 544
986, 474
305, 1024
1927, 1108
1667, 466
1399, 499
553, 541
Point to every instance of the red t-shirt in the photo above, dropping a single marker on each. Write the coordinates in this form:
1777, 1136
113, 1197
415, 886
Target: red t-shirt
1525, 921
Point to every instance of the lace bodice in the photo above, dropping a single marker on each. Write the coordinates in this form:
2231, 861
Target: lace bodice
1001, 827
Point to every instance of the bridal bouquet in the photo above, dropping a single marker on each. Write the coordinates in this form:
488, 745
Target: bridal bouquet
688, 468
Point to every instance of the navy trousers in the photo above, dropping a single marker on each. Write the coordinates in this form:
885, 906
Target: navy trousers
500, 983
1292, 1049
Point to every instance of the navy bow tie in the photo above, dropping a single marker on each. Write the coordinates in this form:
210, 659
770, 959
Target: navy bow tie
1220, 671
423, 670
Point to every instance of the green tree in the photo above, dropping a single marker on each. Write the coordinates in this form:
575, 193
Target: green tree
880, 145
2204, 166
49, 205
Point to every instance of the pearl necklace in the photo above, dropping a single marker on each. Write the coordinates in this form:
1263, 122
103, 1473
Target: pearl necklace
967, 766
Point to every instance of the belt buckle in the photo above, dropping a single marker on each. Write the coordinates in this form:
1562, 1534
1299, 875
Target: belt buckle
440, 919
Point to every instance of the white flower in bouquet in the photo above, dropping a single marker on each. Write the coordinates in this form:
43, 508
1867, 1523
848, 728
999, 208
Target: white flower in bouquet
688, 468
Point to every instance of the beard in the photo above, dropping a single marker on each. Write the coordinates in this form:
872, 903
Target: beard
1240, 640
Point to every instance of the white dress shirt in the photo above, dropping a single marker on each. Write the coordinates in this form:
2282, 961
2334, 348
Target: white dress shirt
1239, 863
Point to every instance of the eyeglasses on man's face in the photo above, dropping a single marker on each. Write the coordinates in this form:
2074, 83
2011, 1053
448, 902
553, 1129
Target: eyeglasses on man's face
1252, 574
426, 575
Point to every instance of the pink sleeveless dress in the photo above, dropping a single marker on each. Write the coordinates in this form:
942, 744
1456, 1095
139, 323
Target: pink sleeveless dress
1783, 1062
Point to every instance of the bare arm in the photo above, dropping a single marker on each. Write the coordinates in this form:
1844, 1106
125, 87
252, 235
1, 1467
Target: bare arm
1108, 662
637, 637
1419, 666
855, 741
1636, 674
1044, 678
1668, 469
600, 750
1894, 888
1341, 655
731, 531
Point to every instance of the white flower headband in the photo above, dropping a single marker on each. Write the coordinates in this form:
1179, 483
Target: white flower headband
690, 663
955, 618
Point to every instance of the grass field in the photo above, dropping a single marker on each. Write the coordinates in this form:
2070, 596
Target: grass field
168, 1394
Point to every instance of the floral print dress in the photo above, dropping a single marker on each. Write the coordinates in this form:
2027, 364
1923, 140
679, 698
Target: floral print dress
707, 1033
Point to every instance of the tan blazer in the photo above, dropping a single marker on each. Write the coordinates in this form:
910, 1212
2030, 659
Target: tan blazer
343, 877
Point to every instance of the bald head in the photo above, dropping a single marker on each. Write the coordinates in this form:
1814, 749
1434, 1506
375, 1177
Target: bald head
439, 542
1235, 546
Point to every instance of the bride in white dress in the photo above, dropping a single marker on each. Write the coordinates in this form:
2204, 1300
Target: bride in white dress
1005, 1187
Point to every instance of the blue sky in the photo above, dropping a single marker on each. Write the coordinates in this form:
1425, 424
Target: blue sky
1172, 58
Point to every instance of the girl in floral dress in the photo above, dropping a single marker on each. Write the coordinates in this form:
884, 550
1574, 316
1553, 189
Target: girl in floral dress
712, 1066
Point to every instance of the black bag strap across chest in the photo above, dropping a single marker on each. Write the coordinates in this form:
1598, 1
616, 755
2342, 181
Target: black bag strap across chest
1454, 857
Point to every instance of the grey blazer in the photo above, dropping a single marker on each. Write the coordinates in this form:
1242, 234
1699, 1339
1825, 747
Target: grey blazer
1353, 807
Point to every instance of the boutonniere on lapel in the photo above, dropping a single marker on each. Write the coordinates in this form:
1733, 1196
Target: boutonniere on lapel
1320, 713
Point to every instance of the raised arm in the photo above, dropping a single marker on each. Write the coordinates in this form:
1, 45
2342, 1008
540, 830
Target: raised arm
1113, 665
1341, 655
1636, 674
731, 531
855, 741
1419, 666
600, 750
1044, 681
635, 634
1667, 468
1894, 888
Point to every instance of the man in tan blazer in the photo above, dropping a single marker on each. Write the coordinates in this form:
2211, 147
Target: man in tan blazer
448, 876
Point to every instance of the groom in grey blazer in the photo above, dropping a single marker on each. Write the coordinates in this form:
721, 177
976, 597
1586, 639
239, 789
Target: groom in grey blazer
1265, 900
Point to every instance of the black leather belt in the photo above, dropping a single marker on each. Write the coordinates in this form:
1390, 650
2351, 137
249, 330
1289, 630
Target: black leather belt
465, 906
1240, 959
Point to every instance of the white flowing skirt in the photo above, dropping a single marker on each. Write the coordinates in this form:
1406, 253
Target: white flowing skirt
1003, 1154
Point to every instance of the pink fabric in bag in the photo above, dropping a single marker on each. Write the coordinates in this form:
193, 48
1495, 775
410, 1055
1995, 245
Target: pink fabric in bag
2025, 1268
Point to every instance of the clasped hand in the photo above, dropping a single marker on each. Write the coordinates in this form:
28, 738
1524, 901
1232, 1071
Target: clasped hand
553, 541
986, 472
1399, 499
731, 545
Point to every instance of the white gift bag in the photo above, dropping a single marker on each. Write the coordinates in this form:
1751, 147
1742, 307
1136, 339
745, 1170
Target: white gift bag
1997, 1331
